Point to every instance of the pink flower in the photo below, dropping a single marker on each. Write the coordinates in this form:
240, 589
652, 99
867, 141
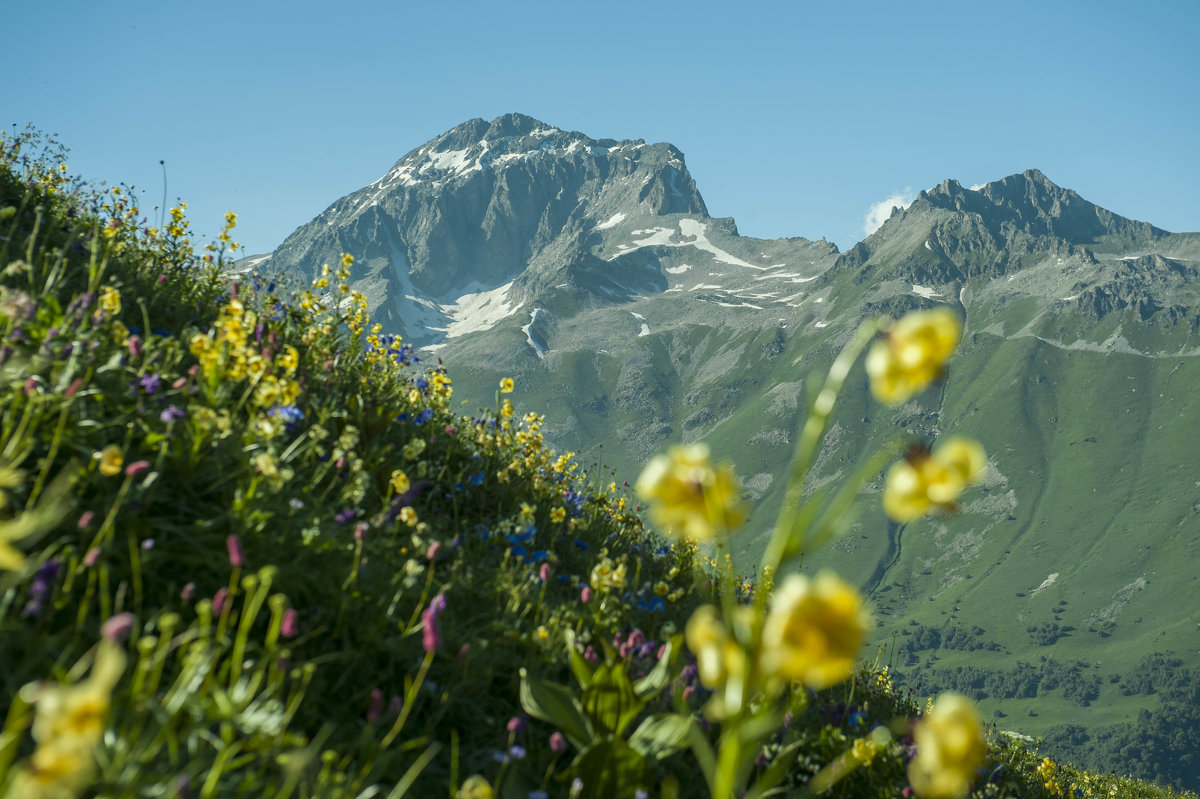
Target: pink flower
136, 468
85, 519
135, 346
218, 600
431, 637
558, 744
288, 627
91, 557
433, 551
464, 650
375, 709
585, 595
544, 572
233, 545
118, 627
188, 592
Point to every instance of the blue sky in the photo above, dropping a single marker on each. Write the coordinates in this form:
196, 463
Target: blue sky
795, 118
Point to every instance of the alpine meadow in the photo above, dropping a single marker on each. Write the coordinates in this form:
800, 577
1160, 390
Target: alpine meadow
516, 474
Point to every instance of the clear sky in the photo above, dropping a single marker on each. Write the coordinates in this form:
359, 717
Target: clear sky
795, 117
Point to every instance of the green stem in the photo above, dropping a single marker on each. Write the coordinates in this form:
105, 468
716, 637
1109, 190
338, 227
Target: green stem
811, 436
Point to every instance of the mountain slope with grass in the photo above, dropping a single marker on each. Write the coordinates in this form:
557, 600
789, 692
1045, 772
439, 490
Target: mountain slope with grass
249, 548
590, 272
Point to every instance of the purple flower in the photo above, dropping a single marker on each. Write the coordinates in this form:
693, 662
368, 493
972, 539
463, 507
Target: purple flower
558, 743
150, 383
516, 752
171, 413
345, 516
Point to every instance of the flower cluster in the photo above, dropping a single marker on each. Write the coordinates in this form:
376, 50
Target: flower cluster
926, 480
912, 354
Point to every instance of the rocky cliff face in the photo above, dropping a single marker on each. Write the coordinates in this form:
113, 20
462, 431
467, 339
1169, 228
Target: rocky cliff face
484, 205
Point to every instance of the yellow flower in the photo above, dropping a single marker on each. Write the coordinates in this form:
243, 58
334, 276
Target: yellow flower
720, 659
347, 259
110, 300
950, 746
925, 480
608, 576
111, 460
557, 515
77, 712
527, 512
476, 787
912, 354
688, 497
506, 385
814, 630
408, 516
288, 359
863, 750
400, 484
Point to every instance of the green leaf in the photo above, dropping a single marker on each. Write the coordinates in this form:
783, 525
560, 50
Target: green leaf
610, 769
661, 735
579, 667
662, 672
556, 704
610, 701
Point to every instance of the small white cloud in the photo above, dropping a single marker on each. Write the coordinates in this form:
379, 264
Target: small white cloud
880, 211
978, 186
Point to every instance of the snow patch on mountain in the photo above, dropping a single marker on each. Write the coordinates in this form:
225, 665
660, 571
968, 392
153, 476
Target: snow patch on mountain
612, 221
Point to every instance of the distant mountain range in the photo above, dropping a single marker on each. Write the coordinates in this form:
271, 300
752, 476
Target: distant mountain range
590, 271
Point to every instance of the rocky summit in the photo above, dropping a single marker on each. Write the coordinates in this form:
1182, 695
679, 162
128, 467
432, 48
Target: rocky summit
590, 271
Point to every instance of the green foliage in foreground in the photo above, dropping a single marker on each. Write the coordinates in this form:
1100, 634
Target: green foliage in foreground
333, 580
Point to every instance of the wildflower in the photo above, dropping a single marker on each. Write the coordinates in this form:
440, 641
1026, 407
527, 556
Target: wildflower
912, 354
67, 727
558, 743
347, 259
110, 300
608, 576
688, 497
585, 595
950, 746
233, 546
476, 787
557, 515
111, 460
399, 481
924, 480
289, 626
814, 630
136, 468
527, 511
720, 659
431, 636
864, 750
408, 516
506, 385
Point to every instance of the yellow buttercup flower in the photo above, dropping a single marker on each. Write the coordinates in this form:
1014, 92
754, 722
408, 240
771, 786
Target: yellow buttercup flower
110, 300
950, 746
399, 482
558, 514
111, 460
609, 576
912, 354
925, 480
720, 659
688, 497
506, 385
476, 787
813, 630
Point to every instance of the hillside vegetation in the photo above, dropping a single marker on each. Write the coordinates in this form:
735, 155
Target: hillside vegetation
249, 547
